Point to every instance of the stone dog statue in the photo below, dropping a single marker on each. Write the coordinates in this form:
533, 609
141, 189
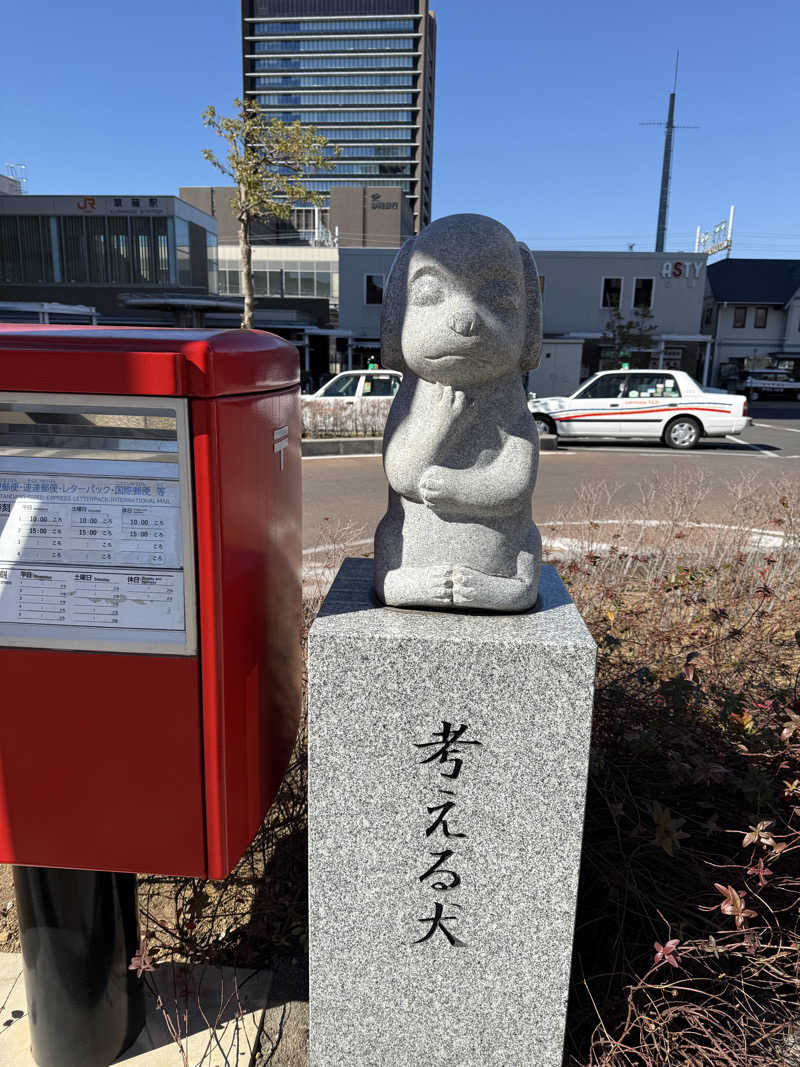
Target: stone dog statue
462, 320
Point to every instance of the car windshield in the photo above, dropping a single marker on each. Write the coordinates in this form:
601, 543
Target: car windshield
583, 385
344, 386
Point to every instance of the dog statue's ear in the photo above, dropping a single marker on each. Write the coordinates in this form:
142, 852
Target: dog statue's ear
532, 345
395, 294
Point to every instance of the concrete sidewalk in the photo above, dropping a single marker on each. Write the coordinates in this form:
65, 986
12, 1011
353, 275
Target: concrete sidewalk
217, 1015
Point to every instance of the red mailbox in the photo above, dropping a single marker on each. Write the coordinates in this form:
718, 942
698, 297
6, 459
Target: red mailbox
150, 556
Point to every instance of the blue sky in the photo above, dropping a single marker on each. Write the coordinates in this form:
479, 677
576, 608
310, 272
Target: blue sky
537, 112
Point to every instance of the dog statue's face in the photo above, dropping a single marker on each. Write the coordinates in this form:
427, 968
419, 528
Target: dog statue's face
466, 309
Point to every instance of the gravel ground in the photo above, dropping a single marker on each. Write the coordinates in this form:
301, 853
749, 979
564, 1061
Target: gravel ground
284, 1039
9, 927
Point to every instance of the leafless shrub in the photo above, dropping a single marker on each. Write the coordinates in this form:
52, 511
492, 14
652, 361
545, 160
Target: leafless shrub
328, 417
335, 540
687, 948
687, 945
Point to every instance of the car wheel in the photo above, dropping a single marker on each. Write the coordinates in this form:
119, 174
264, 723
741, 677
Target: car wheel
682, 433
543, 424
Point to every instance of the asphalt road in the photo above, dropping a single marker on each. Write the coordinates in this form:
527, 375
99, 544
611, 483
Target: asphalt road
344, 498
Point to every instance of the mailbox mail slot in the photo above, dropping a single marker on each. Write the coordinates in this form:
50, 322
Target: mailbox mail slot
149, 594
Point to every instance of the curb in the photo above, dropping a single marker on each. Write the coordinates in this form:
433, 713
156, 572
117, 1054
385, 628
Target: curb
372, 446
342, 446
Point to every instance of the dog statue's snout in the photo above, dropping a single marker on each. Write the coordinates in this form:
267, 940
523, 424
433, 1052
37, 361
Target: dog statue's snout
464, 323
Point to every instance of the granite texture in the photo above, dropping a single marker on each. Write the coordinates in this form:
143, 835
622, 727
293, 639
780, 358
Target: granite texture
462, 320
383, 681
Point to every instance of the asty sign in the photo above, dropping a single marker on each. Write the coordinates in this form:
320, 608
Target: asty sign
682, 268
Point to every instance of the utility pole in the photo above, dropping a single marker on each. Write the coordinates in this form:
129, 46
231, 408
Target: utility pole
666, 167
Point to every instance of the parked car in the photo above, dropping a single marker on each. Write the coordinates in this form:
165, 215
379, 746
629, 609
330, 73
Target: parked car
361, 384
669, 405
771, 384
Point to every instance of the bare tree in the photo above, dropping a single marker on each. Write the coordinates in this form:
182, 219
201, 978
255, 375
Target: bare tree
267, 162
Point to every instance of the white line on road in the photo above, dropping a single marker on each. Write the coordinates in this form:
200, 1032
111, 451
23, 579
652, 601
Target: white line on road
776, 535
377, 455
758, 448
768, 426
666, 452
758, 538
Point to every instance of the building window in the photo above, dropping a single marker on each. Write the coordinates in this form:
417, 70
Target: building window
73, 250
708, 315
96, 246
161, 250
373, 288
355, 99
374, 133
343, 62
761, 318
338, 116
34, 243
10, 258
337, 44
643, 294
272, 29
291, 282
182, 252
612, 292
143, 260
119, 249
326, 81
324, 284
740, 317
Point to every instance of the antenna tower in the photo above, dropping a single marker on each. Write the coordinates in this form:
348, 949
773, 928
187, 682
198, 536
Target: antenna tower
666, 167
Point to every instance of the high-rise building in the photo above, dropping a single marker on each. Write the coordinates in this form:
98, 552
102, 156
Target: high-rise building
362, 73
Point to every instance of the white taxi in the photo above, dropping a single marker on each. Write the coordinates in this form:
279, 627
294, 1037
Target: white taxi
669, 405
361, 384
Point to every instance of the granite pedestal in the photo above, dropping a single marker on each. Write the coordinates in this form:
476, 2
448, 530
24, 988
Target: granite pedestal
447, 775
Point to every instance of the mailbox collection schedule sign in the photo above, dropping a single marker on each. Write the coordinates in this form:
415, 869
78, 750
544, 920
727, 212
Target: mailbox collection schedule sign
81, 551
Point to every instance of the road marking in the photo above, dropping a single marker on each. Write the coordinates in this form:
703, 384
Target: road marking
666, 453
377, 455
769, 426
758, 448
759, 539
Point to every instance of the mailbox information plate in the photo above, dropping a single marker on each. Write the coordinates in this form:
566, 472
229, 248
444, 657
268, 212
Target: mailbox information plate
96, 524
